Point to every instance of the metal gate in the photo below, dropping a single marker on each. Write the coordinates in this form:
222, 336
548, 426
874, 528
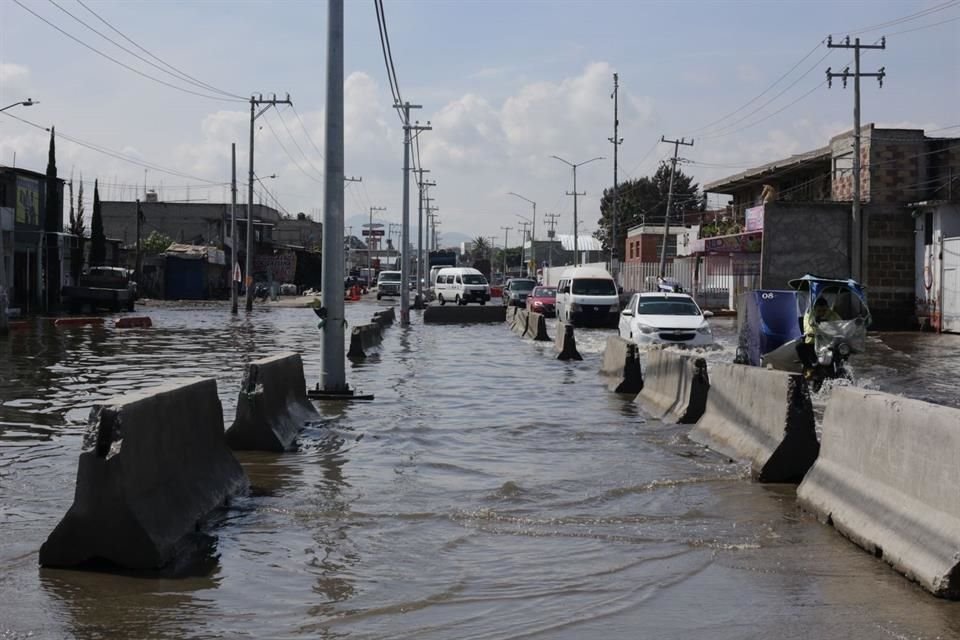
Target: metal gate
951, 285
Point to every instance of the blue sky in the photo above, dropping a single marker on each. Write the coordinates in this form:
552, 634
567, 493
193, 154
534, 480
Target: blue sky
505, 84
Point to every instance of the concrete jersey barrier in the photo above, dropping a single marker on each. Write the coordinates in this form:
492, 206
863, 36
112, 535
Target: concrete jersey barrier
887, 478
154, 464
675, 387
621, 363
469, 314
363, 338
520, 320
565, 343
536, 327
272, 406
761, 416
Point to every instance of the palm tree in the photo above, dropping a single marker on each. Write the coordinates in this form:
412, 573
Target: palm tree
481, 248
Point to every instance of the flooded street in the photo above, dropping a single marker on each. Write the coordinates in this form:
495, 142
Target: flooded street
490, 491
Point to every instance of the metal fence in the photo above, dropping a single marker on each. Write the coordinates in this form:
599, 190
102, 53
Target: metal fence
715, 282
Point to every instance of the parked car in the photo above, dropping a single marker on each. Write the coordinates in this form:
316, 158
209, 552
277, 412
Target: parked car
517, 290
665, 318
543, 300
102, 287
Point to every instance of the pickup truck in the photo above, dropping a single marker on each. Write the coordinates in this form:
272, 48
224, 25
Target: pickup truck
112, 288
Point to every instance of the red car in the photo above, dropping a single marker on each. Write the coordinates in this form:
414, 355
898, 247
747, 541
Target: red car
543, 300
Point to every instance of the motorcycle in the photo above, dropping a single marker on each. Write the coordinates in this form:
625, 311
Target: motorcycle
771, 328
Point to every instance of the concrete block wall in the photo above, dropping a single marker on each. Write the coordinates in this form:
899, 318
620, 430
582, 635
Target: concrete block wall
895, 166
804, 237
890, 265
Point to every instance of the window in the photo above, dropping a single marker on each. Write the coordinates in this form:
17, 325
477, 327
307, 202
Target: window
594, 287
668, 307
473, 278
456, 279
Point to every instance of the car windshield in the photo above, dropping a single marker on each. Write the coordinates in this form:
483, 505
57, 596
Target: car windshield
522, 285
474, 278
594, 287
674, 307
544, 292
389, 277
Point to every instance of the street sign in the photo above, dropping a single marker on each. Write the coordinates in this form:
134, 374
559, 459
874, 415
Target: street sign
374, 232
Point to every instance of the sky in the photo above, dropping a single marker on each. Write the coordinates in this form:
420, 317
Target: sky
505, 85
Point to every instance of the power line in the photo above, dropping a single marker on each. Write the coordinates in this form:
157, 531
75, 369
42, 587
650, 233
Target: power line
307, 132
110, 152
122, 64
388, 56
178, 74
926, 26
289, 155
906, 18
297, 144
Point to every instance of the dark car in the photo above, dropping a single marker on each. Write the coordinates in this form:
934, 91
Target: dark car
516, 292
543, 300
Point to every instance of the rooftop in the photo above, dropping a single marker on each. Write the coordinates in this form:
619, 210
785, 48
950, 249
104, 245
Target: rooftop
750, 176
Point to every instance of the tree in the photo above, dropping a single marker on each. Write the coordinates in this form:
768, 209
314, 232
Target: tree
644, 200
155, 243
53, 224
77, 228
98, 241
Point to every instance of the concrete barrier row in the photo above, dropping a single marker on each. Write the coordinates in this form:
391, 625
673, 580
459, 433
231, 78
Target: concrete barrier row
467, 314
154, 464
621, 365
272, 406
675, 386
887, 479
363, 338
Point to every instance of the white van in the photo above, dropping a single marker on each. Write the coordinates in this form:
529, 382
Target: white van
388, 284
462, 285
588, 296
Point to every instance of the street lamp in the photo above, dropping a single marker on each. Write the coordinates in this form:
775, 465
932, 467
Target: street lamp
576, 238
4, 326
533, 234
29, 102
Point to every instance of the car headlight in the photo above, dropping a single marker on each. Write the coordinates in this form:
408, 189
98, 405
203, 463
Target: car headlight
704, 329
645, 328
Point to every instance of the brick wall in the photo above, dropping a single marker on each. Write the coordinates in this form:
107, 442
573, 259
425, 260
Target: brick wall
896, 166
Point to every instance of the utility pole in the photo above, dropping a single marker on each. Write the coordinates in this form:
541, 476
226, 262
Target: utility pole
421, 265
666, 218
857, 227
370, 228
405, 229
506, 230
431, 220
138, 264
575, 194
616, 141
533, 238
551, 234
254, 103
233, 230
523, 253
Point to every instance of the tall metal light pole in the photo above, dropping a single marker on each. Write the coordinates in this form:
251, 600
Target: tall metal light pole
506, 231
576, 237
4, 325
233, 230
533, 237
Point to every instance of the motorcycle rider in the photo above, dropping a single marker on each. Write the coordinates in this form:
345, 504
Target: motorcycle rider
820, 312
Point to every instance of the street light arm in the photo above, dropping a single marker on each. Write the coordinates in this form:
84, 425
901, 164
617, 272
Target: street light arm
29, 102
567, 162
511, 193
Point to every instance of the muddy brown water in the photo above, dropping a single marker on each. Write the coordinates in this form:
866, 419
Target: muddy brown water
490, 491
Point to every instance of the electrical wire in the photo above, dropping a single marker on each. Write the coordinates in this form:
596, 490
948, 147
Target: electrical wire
114, 154
178, 74
289, 155
118, 62
907, 18
297, 144
306, 132
388, 56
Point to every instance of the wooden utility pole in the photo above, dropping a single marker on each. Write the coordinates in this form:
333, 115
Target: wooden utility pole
666, 218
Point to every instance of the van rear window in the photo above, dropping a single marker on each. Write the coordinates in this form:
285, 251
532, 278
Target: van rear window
594, 287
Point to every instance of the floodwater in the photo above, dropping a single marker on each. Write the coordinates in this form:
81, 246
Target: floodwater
490, 491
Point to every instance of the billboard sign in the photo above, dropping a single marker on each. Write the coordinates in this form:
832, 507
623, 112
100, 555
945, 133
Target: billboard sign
755, 218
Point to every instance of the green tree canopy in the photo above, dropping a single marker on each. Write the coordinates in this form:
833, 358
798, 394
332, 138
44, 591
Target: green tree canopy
156, 243
644, 201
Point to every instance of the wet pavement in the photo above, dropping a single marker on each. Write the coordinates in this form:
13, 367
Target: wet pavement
490, 491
